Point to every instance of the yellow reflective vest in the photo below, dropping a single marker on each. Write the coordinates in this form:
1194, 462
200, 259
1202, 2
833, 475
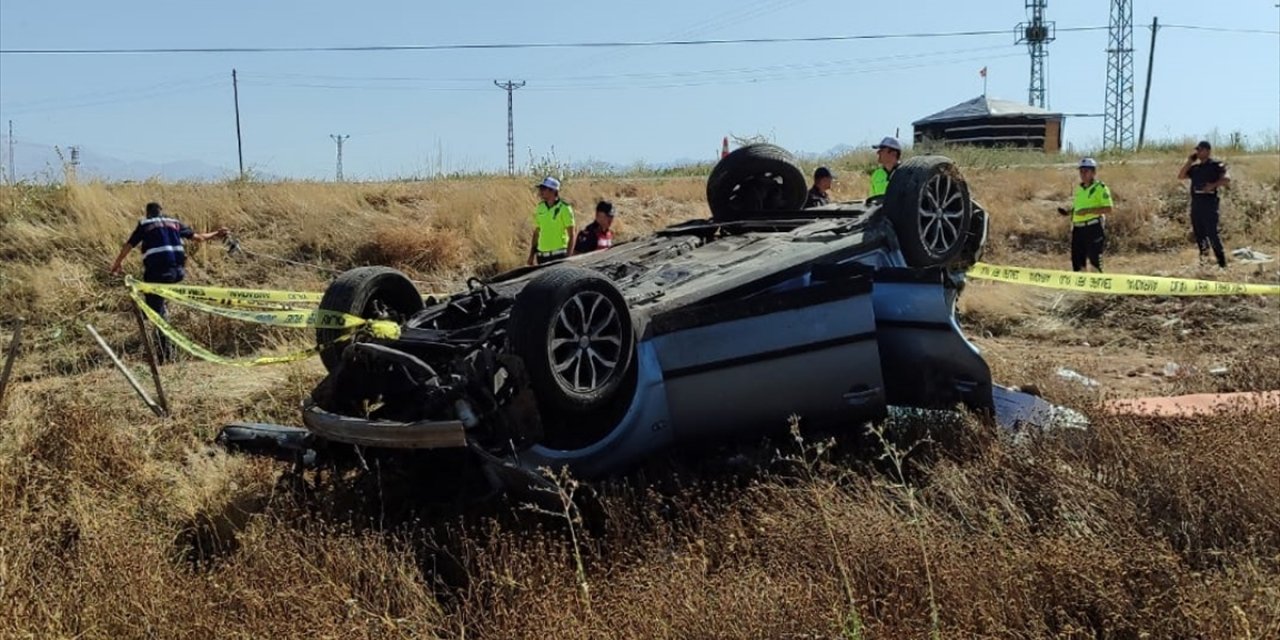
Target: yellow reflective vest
880, 181
1093, 196
553, 224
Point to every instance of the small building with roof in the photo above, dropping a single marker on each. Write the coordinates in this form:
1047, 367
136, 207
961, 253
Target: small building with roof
992, 122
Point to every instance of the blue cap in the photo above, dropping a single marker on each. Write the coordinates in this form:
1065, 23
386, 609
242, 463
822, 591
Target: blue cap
1088, 163
550, 183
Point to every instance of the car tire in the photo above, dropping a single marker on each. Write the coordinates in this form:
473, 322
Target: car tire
929, 207
572, 329
367, 292
753, 181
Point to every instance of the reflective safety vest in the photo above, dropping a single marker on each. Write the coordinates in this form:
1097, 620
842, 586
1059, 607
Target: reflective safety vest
1094, 196
161, 240
553, 224
880, 181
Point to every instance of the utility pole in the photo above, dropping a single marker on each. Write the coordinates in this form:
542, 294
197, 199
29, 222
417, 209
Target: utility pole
1035, 34
12, 175
1146, 94
510, 87
1117, 125
72, 167
339, 139
235, 91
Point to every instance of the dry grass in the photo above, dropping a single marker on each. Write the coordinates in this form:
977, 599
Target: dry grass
116, 524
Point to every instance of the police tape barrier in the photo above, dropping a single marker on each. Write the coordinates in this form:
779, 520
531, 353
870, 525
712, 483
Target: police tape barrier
286, 317
235, 297
199, 351
226, 296
383, 329
1119, 284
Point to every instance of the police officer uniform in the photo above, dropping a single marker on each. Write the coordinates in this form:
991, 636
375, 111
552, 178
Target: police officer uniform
163, 257
1204, 205
1088, 230
553, 222
594, 237
881, 176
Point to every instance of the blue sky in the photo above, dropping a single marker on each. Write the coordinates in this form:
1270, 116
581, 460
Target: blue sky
618, 106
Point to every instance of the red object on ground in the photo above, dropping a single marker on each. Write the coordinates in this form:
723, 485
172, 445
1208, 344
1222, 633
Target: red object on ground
1198, 404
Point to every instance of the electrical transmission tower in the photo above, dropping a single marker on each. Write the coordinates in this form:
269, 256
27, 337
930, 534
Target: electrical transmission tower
1117, 125
511, 131
1036, 34
339, 139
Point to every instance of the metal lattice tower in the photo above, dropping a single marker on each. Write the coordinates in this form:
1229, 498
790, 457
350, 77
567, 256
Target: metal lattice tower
1036, 34
1117, 125
511, 131
339, 139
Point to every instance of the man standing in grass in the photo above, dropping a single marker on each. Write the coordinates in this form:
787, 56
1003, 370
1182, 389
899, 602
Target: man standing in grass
163, 257
888, 155
553, 225
1206, 175
1088, 215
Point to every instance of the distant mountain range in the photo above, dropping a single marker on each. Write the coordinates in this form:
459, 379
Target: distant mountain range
39, 162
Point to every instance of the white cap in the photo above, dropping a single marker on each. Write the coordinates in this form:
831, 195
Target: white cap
550, 183
1088, 163
889, 142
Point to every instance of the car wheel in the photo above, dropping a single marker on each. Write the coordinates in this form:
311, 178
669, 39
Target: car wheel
754, 180
572, 328
368, 292
928, 204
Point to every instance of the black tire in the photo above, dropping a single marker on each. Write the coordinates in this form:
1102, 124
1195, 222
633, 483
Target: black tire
536, 324
367, 292
753, 181
928, 204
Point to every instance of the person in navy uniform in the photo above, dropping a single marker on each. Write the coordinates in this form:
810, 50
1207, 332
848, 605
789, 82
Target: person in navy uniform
599, 234
163, 256
1207, 174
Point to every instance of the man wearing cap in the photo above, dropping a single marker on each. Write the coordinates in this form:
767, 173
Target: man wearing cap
163, 257
1206, 175
888, 154
822, 179
1092, 204
552, 225
599, 234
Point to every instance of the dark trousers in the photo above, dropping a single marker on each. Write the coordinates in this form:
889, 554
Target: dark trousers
1087, 243
164, 348
1204, 223
551, 256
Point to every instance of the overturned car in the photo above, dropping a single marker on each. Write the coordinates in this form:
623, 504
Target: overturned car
704, 331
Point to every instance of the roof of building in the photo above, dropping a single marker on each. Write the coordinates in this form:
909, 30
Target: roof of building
984, 107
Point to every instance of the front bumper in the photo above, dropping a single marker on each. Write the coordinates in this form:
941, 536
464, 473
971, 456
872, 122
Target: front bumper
422, 434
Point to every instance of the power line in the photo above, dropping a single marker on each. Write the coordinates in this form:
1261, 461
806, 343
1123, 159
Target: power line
1117, 127
521, 45
1196, 27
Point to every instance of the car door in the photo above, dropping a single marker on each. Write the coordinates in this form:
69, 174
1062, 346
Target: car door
748, 363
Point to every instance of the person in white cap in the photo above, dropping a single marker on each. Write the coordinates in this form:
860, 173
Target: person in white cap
888, 154
552, 225
1088, 217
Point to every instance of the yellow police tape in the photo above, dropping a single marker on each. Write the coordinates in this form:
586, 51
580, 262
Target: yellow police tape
1119, 284
277, 308
383, 329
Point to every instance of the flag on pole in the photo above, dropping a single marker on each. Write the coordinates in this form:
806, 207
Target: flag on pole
983, 72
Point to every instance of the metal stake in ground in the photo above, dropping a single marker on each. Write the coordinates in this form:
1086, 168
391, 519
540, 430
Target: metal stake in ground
8, 361
151, 358
133, 382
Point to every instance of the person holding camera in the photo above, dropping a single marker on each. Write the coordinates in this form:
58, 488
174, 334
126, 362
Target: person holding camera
1207, 174
1088, 214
